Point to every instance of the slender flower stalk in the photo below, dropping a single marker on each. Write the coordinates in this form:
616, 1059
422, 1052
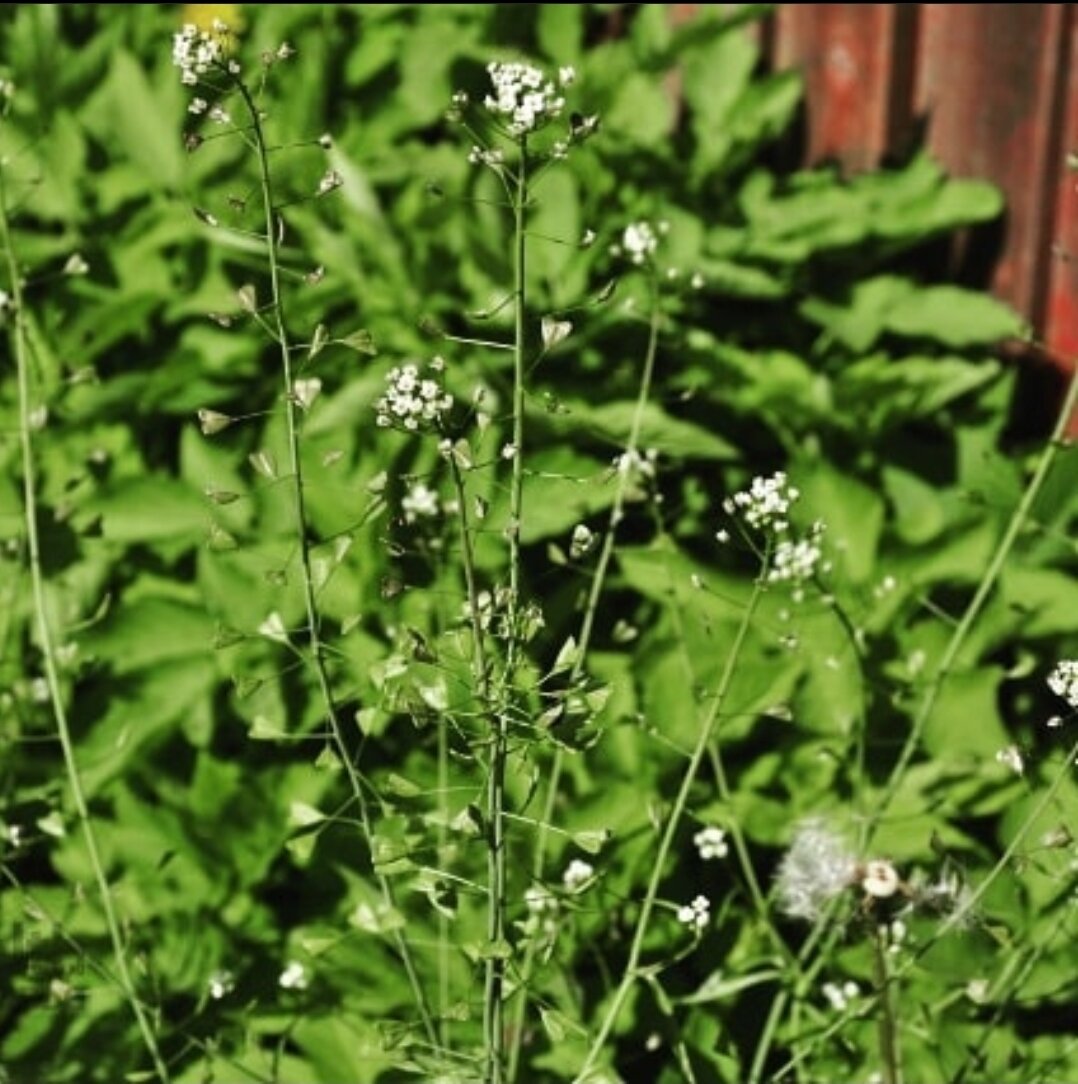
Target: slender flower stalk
48, 646
587, 626
976, 605
632, 965
315, 644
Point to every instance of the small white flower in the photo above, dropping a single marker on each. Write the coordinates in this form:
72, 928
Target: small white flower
697, 281
1063, 681
880, 879
221, 983
420, 502
1011, 757
639, 242
509, 451
567, 76
198, 106
539, 900
839, 997
220, 115
294, 977
75, 264
697, 914
711, 842
577, 874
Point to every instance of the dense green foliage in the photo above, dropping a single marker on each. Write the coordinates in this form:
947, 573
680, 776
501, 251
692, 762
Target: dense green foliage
815, 343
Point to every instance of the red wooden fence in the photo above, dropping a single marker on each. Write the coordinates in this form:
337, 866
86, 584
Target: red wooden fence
993, 88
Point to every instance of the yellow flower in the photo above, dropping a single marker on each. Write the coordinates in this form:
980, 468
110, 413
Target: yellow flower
203, 15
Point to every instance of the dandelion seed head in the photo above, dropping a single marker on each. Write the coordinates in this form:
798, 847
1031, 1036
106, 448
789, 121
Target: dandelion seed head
818, 867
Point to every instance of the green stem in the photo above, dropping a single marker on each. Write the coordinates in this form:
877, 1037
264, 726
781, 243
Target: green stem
980, 597
886, 1019
707, 730
587, 625
315, 643
494, 985
48, 647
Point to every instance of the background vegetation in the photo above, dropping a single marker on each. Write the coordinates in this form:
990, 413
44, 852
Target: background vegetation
818, 342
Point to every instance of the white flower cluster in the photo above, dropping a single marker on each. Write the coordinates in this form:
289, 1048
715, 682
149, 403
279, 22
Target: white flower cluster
524, 97
697, 914
1063, 681
220, 984
412, 400
765, 505
196, 51
542, 906
839, 997
639, 241
294, 977
420, 502
796, 560
493, 158
577, 874
711, 842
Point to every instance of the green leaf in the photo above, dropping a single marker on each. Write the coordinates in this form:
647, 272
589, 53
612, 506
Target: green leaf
658, 429
953, 316
719, 986
153, 509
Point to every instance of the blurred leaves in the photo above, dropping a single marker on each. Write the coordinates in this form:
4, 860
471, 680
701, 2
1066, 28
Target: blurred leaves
818, 337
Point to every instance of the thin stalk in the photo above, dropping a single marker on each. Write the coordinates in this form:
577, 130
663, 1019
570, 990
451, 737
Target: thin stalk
632, 964
494, 985
980, 597
587, 625
48, 647
886, 1015
443, 920
316, 647
718, 770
